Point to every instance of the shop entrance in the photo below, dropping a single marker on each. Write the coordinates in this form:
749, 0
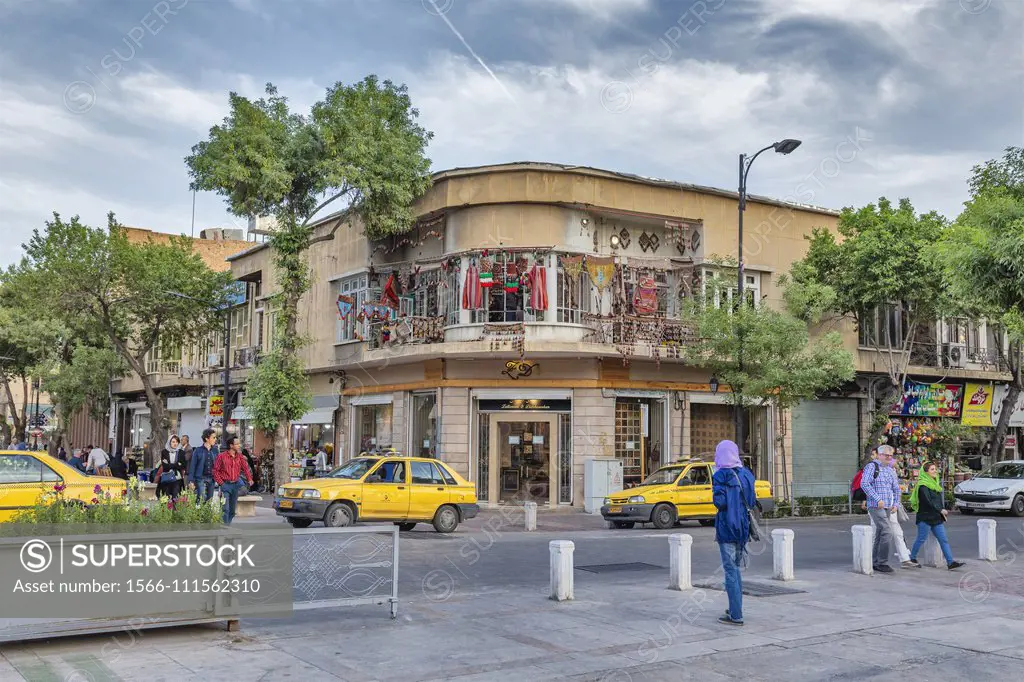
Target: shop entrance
526, 454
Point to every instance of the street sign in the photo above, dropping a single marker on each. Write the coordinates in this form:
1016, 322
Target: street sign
216, 406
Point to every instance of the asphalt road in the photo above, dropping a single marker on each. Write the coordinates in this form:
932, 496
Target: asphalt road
476, 562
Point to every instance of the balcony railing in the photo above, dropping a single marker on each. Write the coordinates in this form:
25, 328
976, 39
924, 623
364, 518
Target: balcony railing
954, 356
163, 367
403, 331
655, 337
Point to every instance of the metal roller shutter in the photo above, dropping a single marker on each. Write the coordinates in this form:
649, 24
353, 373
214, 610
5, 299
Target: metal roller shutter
825, 447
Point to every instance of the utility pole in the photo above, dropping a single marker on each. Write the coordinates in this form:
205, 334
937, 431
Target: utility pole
35, 420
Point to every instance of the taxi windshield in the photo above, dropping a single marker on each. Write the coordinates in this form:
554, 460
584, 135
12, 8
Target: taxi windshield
666, 476
355, 469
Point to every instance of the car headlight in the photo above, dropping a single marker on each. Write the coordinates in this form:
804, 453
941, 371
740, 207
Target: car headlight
280, 491
999, 491
637, 499
957, 489
607, 500
315, 494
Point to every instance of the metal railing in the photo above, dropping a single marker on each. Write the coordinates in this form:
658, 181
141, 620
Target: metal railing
345, 567
158, 366
245, 357
412, 329
655, 336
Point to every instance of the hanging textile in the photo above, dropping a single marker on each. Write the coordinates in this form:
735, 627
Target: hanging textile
511, 279
486, 273
602, 271
573, 266
502, 334
345, 304
390, 296
472, 296
376, 312
645, 296
538, 287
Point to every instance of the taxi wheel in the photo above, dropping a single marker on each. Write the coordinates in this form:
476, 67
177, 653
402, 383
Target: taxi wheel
338, 515
300, 523
664, 516
446, 520
405, 526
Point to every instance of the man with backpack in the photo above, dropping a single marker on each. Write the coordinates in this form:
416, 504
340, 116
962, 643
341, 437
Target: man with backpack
881, 489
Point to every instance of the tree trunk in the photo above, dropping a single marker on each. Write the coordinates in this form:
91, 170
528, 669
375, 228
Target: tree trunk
787, 491
282, 453
11, 431
880, 410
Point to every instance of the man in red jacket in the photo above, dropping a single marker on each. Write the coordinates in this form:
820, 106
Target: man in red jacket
231, 472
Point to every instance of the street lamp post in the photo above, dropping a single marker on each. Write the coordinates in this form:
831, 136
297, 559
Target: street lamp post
782, 147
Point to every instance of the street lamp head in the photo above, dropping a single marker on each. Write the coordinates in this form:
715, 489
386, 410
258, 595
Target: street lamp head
713, 384
786, 146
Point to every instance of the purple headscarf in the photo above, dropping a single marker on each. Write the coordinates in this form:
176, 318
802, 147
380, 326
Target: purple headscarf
727, 455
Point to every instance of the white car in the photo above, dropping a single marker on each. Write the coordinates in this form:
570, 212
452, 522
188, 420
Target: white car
998, 488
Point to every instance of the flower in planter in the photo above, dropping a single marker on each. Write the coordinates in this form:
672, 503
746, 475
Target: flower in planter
97, 489
124, 493
170, 505
95, 500
59, 487
144, 512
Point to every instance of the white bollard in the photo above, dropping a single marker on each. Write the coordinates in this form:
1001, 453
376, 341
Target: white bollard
931, 553
561, 569
679, 577
863, 539
782, 554
987, 539
531, 515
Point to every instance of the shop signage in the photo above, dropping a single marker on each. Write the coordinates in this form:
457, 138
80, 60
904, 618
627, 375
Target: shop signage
518, 368
978, 404
1017, 416
524, 404
1011, 442
930, 400
215, 406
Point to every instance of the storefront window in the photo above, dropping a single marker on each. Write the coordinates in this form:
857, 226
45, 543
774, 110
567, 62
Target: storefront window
484, 461
565, 458
424, 425
373, 427
307, 438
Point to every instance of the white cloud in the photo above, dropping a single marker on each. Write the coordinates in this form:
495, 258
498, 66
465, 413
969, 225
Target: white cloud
602, 9
892, 17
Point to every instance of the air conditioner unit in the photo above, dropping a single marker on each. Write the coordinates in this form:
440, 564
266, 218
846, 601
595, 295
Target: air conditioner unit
955, 355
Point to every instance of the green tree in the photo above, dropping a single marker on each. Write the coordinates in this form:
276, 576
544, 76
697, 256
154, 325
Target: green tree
982, 256
99, 284
782, 364
880, 277
26, 345
359, 148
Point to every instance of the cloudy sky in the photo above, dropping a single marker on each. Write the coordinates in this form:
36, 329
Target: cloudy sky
101, 100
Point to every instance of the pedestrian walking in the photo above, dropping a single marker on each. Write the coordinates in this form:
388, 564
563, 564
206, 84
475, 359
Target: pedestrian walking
881, 487
200, 466
231, 472
733, 495
928, 501
97, 462
186, 450
170, 476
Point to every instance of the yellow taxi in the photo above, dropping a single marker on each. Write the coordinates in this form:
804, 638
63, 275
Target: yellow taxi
26, 476
673, 493
403, 490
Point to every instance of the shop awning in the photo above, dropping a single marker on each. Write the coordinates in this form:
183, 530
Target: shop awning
375, 399
324, 415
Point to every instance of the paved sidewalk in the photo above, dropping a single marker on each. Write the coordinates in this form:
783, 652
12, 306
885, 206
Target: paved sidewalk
622, 627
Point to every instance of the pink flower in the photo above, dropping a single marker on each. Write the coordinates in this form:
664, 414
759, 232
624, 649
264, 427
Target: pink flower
170, 505
145, 512
98, 489
95, 501
59, 487
124, 493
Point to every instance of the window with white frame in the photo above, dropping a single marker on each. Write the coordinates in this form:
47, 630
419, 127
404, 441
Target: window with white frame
882, 327
500, 305
356, 287
452, 300
576, 297
722, 289
426, 296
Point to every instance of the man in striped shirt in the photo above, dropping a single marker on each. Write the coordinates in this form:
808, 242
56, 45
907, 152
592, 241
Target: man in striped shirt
882, 488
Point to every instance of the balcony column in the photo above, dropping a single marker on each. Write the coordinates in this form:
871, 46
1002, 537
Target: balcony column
552, 266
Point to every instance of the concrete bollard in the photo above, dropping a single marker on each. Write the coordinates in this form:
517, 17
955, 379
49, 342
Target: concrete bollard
531, 515
931, 553
679, 577
863, 539
561, 569
782, 554
987, 539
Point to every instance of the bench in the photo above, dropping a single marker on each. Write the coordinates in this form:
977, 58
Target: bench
247, 505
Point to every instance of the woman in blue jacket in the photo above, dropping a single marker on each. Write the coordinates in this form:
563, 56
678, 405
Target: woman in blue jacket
733, 494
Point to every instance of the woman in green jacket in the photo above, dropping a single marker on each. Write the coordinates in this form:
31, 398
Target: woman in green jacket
927, 500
